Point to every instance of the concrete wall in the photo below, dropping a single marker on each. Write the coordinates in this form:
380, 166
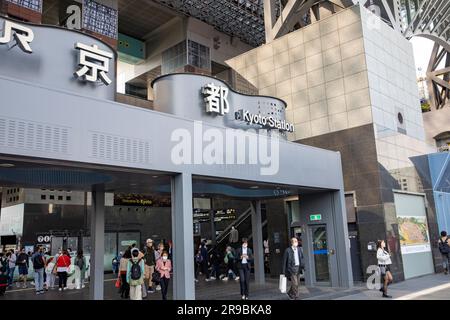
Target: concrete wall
319, 70
436, 122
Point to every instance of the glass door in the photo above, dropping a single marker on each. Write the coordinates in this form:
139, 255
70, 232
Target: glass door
320, 252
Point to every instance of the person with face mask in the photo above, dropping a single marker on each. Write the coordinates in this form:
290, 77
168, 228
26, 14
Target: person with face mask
245, 258
292, 266
164, 266
384, 263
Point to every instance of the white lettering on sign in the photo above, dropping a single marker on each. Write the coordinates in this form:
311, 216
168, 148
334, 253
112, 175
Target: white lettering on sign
267, 122
94, 63
21, 34
216, 99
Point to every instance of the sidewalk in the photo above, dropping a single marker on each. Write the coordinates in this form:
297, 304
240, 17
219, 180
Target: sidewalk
435, 286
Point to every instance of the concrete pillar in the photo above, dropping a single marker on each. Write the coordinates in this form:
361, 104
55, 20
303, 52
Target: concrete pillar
258, 247
342, 240
97, 245
183, 237
213, 227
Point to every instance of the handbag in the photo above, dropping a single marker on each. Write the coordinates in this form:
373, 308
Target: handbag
118, 283
382, 270
156, 277
283, 283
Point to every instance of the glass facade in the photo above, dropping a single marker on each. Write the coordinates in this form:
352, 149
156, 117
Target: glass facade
186, 53
35, 5
100, 19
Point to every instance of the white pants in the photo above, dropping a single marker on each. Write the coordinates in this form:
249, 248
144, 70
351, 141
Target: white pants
136, 292
50, 281
79, 282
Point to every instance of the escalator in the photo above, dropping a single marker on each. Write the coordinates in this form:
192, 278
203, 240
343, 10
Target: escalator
243, 224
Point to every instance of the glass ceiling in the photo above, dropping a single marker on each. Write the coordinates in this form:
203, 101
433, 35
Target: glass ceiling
240, 18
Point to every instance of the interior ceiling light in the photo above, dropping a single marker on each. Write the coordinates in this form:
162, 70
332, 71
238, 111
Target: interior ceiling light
7, 165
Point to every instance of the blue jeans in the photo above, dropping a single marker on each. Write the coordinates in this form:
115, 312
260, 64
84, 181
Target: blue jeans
11, 275
39, 279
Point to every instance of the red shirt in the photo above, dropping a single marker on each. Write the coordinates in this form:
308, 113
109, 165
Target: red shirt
63, 261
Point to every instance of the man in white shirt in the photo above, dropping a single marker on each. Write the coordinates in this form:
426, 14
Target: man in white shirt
245, 258
292, 266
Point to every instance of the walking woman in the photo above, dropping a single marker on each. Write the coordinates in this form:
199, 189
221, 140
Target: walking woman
80, 262
384, 263
63, 264
163, 266
123, 267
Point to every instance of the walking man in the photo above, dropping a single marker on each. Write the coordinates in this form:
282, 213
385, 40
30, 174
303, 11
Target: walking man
38, 266
150, 262
12, 259
292, 266
22, 263
244, 258
444, 248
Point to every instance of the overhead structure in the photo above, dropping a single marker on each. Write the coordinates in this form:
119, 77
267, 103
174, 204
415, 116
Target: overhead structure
425, 18
243, 19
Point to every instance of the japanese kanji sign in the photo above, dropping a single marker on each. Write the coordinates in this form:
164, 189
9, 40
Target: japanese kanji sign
216, 99
22, 35
94, 63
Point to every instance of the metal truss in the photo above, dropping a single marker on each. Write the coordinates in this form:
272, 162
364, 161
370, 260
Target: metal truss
240, 18
428, 18
438, 77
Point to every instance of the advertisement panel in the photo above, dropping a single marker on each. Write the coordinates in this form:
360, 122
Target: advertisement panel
414, 235
11, 220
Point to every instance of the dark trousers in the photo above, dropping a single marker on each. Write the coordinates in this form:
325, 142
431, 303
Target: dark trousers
62, 276
164, 287
244, 279
124, 287
295, 282
205, 268
11, 275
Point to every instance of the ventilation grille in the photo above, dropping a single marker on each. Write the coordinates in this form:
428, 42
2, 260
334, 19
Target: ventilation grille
27, 135
117, 148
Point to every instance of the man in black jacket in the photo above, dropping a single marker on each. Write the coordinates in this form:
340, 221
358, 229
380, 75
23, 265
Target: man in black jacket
292, 266
244, 256
150, 262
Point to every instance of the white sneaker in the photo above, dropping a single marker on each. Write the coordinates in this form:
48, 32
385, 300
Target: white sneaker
158, 288
60, 289
225, 279
196, 280
213, 278
237, 278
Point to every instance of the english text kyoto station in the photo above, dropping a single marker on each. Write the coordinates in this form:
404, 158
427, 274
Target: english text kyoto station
224, 150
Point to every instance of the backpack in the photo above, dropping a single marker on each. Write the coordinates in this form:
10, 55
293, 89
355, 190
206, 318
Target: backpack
135, 271
443, 246
38, 263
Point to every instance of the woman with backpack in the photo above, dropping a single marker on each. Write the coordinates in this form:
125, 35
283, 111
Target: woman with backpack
62, 267
80, 262
135, 275
444, 248
164, 266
